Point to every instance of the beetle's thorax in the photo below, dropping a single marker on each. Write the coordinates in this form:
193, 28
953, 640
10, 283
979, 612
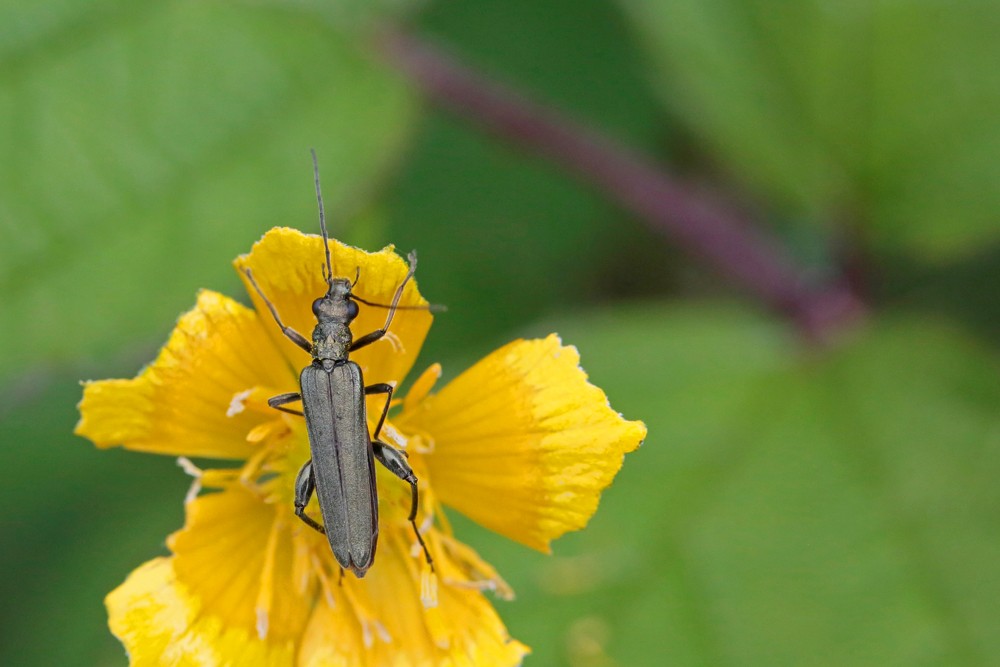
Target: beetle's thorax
334, 312
331, 341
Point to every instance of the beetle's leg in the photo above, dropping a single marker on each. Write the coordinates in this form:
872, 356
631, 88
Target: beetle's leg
305, 484
278, 401
381, 388
289, 332
395, 461
368, 339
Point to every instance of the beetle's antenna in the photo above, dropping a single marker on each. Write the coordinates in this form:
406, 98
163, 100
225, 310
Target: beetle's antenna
433, 307
322, 218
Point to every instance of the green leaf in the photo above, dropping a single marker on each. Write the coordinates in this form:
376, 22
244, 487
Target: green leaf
77, 520
877, 114
788, 507
147, 145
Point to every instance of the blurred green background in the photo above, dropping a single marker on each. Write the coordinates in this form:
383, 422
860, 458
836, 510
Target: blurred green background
793, 505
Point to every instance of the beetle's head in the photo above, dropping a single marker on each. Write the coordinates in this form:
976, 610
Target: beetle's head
336, 304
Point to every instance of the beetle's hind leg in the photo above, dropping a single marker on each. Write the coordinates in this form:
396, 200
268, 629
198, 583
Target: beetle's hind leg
395, 461
305, 484
381, 388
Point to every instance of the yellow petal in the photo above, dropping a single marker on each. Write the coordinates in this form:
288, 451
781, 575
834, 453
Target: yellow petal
521, 442
159, 621
381, 621
181, 404
246, 587
238, 591
237, 555
288, 266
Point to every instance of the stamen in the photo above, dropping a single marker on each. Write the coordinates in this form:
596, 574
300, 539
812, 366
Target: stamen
251, 469
394, 437
366, 618
423, 443
264, 430
442, 519
238, 403
477, 574
324, 581
188, 466
301, 565
480, 585
383, 633
265, 594
218, 479
191, 469
428, 587
397, 344
262, 624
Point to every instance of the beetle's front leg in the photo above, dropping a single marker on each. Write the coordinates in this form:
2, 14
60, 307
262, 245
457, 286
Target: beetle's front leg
289, 332
305, 484
395, 461
370, 338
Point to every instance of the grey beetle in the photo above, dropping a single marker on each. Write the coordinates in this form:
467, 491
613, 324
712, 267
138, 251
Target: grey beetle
342, 469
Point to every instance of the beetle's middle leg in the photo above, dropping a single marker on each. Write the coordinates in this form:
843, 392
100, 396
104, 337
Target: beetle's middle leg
395, 461
305, 484
278, 401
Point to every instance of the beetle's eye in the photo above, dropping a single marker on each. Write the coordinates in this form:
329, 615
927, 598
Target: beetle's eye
352, 310
316, 306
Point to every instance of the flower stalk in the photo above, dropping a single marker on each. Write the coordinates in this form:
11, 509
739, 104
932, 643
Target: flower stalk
705, 227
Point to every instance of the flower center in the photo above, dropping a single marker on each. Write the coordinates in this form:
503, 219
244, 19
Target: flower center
284, 448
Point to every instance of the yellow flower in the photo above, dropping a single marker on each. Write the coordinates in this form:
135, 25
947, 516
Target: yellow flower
520, 442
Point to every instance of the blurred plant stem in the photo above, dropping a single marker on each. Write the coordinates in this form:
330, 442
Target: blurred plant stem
701, 224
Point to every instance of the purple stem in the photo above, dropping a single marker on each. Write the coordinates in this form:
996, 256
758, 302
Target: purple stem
701, 225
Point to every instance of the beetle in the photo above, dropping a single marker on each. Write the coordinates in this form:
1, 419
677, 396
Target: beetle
341, 470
